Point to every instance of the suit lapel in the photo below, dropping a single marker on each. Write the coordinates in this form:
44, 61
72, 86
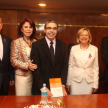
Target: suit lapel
46, 50
89, 53
57, 50
79, 54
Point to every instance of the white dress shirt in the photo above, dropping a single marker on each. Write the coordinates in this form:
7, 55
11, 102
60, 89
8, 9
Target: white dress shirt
48, 42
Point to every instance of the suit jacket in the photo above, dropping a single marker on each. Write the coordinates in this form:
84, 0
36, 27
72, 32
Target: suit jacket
41, 56
77, 68
104, 55
6, 70
19, 58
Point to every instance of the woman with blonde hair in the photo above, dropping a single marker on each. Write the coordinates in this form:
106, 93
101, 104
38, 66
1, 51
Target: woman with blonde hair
83, 67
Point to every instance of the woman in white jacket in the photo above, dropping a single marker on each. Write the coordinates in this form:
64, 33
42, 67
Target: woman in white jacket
83, 67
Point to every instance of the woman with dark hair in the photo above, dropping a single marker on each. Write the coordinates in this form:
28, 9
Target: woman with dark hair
20, 57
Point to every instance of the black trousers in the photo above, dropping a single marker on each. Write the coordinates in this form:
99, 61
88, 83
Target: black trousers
106, 88
2, 91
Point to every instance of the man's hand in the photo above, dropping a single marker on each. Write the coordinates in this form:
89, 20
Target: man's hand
49, 93
64, 90
11, 83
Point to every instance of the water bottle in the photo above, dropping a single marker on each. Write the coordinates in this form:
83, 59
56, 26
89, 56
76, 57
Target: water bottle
44, 97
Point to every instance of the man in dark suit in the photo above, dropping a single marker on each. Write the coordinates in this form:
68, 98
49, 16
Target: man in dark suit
104, 55
6, 70
50, 56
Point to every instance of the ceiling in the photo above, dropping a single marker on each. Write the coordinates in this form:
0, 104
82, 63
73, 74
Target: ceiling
79, 6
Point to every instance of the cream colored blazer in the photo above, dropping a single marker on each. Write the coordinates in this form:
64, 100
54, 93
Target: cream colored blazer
77, 68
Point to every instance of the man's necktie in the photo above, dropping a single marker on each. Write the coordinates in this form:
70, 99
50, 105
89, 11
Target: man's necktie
52, 51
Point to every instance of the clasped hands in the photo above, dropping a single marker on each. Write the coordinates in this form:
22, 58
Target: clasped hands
32, 66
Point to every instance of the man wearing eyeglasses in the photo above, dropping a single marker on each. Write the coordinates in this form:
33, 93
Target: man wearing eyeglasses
50, 56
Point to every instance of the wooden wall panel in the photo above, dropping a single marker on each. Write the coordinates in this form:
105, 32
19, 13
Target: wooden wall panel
9, 18
66, 33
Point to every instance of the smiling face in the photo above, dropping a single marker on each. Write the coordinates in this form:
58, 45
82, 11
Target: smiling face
84, 37
51, 31
27, 29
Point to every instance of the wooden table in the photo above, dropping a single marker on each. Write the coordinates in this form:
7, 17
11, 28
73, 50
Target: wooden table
71, 101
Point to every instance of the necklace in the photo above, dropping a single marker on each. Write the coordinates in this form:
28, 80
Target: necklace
84, 49
27, 42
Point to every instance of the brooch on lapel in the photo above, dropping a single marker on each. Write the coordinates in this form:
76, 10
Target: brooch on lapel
90, 56
4, 40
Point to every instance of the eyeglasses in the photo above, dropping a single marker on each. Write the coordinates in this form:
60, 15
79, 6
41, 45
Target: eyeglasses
49, 28
84, 35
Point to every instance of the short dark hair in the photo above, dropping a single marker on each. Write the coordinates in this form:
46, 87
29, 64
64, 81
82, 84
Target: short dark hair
50, 21
32, 25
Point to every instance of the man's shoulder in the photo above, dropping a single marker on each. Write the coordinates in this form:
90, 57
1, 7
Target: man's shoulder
6, 37
105, 38
60, 42
38, 42
43, 40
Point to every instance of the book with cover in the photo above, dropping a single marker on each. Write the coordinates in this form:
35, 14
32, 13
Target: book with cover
56, 87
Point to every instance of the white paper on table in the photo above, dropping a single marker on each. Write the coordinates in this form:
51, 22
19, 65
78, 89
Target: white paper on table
57, 92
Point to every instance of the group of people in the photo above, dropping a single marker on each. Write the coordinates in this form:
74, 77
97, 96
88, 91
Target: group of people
36, 61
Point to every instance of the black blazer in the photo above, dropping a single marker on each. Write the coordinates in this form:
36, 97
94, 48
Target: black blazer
104, 55
6, 70
40, 54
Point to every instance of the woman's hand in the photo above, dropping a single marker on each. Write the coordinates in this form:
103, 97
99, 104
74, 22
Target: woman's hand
32, 66
68, 87
94, 90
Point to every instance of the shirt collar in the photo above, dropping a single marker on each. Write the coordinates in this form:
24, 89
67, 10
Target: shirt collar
48, 41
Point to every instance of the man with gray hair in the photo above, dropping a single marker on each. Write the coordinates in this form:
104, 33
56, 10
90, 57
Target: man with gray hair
6, 70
